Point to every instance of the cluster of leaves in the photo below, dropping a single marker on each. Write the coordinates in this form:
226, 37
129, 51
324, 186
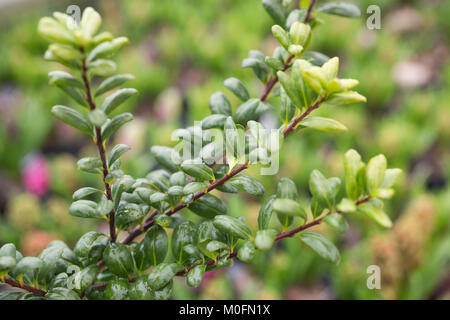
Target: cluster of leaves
99, 267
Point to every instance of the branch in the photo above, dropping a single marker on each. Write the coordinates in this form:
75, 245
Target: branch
280, 236
17, 284
308, 13
101, 148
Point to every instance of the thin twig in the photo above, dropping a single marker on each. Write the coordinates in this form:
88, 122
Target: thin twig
100, 147
308, 13
24, 286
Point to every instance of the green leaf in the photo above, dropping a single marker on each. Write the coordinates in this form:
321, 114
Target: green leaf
274, 63
390, 177
85, 243
323, 189
265, 213
343, 9
164, 293
289, 207
114, 124
73, 118
375, 212
178, 179
247, 184
128, 214
7, 263
194, 187
237, 87
323, 124
206, 233
90, 21
117, 152
84, 192
346, 97
375, 172
322, 246
102, 67
105, 206
354, 167
112, 83
75, 94
163, 220
232, 226
29, 267
246, 111
347, 206
117, 289
184, 234
316, 58
84, 209
286, 189
140, 290
166, 157
276, 10
51, 30
336, 221
62, 78
219, 104
9, 250
208, 206
97, 117
290, 88
116, 99
247, 251
296, 15
214, 121
152, 250
107, 48
86, 277
287, 109
90, 164
195, 275
119, 260
264, 239
62, 294
196, 169
161, 275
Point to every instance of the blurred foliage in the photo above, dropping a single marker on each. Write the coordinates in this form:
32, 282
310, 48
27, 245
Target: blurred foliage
181, 52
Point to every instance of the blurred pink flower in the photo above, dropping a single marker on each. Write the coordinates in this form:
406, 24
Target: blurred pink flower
36, 176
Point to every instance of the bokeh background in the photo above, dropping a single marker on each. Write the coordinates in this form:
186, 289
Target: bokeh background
180, 52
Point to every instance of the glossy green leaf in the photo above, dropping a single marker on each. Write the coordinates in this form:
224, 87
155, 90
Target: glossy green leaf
102, 67
353, 166
62, 78
114, 124
208, 206
336, 221
128, 214
232, 226
375, 172
84, 244
247, 251
195, 275
375, 212
62, 294
238, 88
86, 277
166, 157
343, 9
140, 289
178, 179
276, 10
196, 169
323, 124
152, 250
194, 187
112, 83
119, 260
97, 117
219, 104
286, 189
107, 48
246, 111
322, 246
265, 213
90, 164
73, 118
117, 152
247, 184
184, 234
214, 121
323, 189
288, 207
84, 209
116, 99
117, 289
264, 239
161, 275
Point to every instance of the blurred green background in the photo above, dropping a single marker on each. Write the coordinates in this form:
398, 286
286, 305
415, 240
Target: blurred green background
180, 52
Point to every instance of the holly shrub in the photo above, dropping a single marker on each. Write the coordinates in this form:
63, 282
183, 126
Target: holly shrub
209, 159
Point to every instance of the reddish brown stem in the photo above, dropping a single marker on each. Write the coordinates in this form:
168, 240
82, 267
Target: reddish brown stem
24, 286
100, 147
309, 12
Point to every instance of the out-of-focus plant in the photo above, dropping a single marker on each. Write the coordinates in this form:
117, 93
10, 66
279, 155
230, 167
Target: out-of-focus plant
108, 269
